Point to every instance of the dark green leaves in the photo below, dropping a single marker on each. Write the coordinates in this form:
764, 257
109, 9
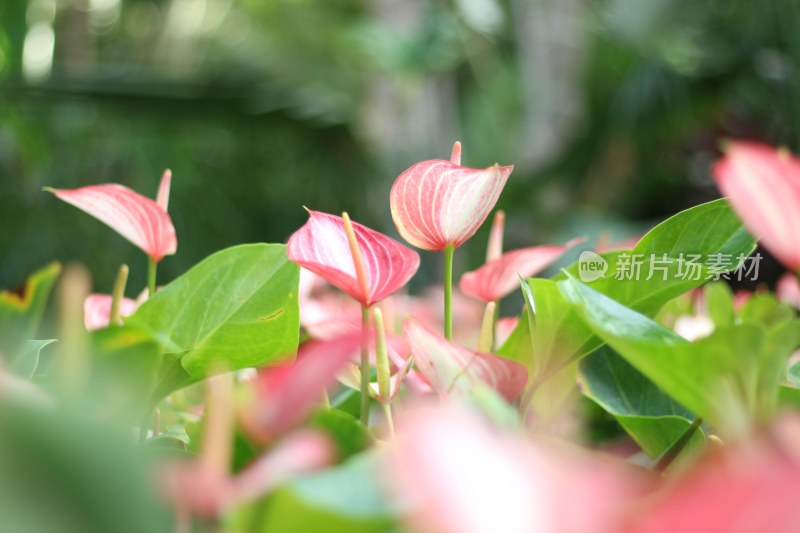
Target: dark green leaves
653, 419
235, 309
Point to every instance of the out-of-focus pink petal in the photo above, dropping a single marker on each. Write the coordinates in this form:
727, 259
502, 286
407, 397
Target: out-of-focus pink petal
499, 277
503, 329
448, 366
97, 310
763, 186
329, 315
436, 203
788, 289
749, 487
137, 218
286, 394
298, 453
456, 474
162, 198
321, 246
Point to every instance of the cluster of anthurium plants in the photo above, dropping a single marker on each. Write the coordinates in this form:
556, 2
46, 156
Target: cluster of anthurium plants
299, 387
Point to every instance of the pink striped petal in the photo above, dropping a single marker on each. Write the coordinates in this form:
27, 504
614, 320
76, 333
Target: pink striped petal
448, 366
788, 289
498, 278
763, 186
137, 218
97, 310
321, 246
286, 394
436, 203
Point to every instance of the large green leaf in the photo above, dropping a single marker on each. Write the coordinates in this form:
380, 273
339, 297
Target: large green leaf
717, 377
235, 309
21, 310
560, 336
342, 499
653, 419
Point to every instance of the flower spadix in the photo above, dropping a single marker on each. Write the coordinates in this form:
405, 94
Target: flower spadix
439, 203
142, 221
322, 247
763, 186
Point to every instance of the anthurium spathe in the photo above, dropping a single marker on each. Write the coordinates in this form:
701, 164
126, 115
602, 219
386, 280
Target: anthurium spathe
97, 310
137, 218
495, 279
448, 366
763, 186
439, 203
321, 246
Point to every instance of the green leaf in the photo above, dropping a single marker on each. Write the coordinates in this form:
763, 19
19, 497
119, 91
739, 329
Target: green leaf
125, 360
21, 310
26, 360
342, 499
716, 377
719, 301
653, 419
235, 309
560, 336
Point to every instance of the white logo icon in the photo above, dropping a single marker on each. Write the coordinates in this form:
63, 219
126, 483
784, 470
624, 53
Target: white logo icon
591, 266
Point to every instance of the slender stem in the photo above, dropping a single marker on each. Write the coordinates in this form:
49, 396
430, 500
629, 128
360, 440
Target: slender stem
448, 291
486, 339
387, 411
117, 295
677, 447
364, 366
151, 277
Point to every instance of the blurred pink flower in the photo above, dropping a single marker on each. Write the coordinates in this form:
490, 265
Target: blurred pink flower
763, 186
448, 366
284, 395
321, 246
458, 474
438, 203
747, 487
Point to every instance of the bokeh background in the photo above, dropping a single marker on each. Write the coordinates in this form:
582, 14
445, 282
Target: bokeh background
611, 110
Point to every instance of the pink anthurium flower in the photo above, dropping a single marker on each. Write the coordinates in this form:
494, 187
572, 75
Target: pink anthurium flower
499, 277
139, 219
439, 203
321, 246
97, 310
284, 395
448, 366
763, 186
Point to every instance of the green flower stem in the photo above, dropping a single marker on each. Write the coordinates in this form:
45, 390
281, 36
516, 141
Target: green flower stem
486, 339
448, 291
151, 277
364, 367
117, 295
387, 410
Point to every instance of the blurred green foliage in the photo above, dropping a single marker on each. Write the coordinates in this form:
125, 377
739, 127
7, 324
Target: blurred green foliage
260, 107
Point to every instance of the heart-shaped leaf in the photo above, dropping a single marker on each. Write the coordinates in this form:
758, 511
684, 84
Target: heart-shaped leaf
235, 309
653, 419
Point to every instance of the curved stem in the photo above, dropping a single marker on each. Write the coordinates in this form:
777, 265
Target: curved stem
448, 291
387, 411
151, 277
364, 366
119, 293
